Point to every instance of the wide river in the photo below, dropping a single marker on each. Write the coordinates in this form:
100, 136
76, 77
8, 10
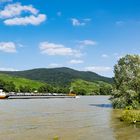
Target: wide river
85, 118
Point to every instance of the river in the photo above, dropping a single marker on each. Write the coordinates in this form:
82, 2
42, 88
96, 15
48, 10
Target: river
85, 118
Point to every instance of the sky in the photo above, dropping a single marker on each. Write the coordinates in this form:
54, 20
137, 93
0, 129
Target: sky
86, 35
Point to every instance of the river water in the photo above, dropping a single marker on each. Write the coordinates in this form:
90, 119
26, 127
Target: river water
85, 118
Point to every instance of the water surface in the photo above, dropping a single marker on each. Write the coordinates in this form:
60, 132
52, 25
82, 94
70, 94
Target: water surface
86, 118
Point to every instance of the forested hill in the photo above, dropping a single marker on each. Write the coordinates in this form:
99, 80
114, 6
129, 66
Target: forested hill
58, 76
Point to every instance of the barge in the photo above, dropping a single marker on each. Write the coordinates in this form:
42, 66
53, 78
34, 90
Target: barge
3, 95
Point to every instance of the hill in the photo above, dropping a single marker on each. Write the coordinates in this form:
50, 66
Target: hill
17, 81
58, 76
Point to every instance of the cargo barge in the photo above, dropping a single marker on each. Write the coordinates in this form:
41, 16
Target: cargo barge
38, 96
3, 95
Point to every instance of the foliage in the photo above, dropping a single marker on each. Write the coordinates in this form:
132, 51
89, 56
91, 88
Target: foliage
82, 87
11, 83
131, 116
105, 88
60, 80
127, 82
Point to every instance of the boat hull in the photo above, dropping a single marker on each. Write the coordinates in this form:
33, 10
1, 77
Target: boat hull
38, 97
3, 96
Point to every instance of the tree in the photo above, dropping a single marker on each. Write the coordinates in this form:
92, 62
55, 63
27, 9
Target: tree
9, 87
2, 83
46, 89
127, 82
105, 88
24, 89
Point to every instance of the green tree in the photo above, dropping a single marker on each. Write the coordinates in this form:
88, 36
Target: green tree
46, 88
105, 88
2, 83
127, 82
25, 89
9, 87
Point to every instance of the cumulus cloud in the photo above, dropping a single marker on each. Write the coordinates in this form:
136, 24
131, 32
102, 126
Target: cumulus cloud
8, 47
98, 69
87, 43
77, 22
33, 20
74, 61
17, 14
57, 49
16, 9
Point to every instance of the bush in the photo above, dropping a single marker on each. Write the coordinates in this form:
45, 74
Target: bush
131, 116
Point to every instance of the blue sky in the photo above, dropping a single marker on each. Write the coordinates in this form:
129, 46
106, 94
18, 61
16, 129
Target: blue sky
88, 35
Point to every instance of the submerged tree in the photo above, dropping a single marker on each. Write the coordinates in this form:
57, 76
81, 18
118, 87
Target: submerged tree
127, 82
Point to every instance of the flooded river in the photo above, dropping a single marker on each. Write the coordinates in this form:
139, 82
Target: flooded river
85, 118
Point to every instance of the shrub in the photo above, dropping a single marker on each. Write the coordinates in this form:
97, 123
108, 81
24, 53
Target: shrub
131, 116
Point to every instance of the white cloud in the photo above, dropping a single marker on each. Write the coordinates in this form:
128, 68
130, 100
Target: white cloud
9, 47
54, 65
33, 20
87, 43
76, 22
8, 69
98, 69
16, 9
58, 49
76, 61
104, 56
17, 14
82, 22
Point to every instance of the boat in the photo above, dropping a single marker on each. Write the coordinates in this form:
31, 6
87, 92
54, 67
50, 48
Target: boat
72, 93
3, 94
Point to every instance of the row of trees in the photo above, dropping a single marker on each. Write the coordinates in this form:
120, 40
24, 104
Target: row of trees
7, 86
80, 87
46, 88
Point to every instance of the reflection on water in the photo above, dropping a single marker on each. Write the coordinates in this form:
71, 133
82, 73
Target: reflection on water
102, 105
123, 131
90, 118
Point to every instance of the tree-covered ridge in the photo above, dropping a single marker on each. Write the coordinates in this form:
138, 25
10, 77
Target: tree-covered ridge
80, 87
91, 88
59, 76
12, 83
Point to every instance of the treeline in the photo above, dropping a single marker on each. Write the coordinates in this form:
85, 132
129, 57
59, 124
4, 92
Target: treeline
80, 87
9, 86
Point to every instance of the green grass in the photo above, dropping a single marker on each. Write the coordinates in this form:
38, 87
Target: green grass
20, 81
